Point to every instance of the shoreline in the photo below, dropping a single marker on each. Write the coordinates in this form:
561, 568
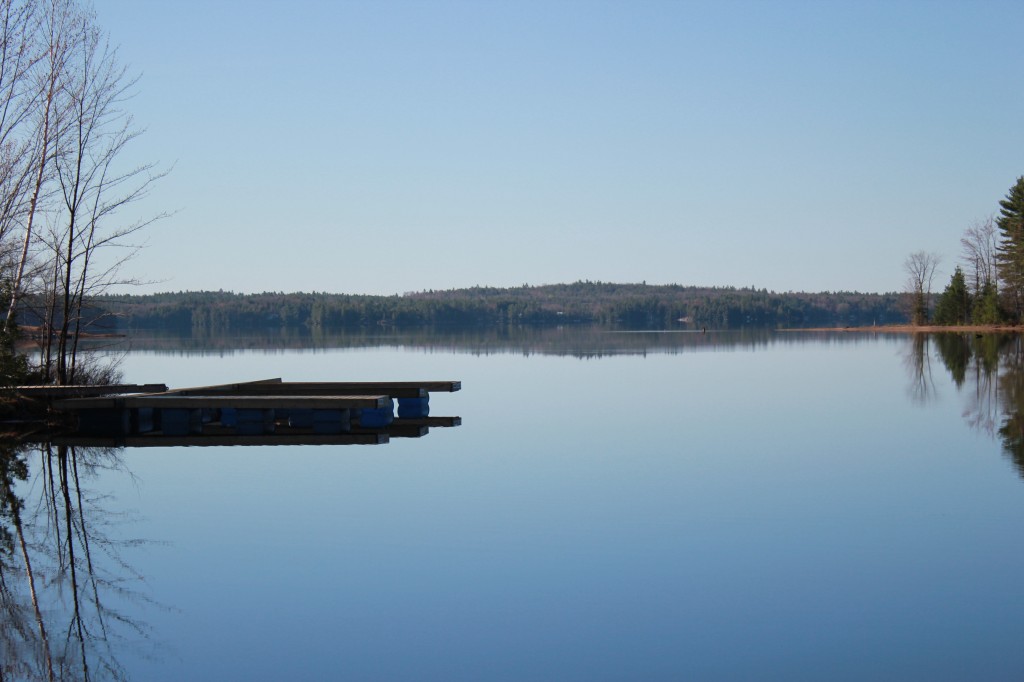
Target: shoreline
920, 329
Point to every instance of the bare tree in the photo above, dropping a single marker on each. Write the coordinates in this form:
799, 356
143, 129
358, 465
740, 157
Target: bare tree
920, 267
93, 184
980, 245
19, 56
61, 27
63, 134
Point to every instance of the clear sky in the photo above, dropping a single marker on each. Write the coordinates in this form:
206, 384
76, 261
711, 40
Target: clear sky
383, 147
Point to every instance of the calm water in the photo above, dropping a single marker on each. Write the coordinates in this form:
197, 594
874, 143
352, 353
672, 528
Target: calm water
614, 507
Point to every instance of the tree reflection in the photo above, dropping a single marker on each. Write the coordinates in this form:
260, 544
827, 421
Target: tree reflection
919, 367
1012, 384
956, 354
989, 370
64, 584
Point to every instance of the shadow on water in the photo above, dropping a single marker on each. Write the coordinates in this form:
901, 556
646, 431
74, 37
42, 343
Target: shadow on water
69, 599
988, 370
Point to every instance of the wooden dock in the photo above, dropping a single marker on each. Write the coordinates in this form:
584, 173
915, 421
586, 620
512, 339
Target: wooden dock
265, 412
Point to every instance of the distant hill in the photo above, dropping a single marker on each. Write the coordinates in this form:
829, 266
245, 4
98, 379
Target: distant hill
585, 302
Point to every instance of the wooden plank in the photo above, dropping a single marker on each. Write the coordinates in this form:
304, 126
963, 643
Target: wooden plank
385, 386
82, 391
396, 430
375, 386
322, 388
406, 431
284, 429
395, 389
160, 441
176, 401
225, 389
442, 422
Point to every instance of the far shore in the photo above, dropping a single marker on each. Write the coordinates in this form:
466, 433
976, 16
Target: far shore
919, 329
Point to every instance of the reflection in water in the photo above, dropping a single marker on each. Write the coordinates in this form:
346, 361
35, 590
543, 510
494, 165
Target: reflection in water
1011, 384
583, 342
63, 579
68, 597
919, 367
989, 370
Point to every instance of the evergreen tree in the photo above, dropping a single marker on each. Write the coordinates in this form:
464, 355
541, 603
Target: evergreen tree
1011, 248
985, 309
955, 302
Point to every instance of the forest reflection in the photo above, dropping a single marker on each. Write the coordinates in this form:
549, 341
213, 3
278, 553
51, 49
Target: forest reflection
988, 371
65, 584
581, 341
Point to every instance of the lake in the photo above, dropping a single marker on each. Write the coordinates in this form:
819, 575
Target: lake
615, 506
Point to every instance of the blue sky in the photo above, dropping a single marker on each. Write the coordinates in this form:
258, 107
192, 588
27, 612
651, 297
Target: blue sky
384, 147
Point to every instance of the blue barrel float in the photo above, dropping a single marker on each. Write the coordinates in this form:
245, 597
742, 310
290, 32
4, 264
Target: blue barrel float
413, 408
377, 417
248, 421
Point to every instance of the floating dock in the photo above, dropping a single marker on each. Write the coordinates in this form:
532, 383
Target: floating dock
265, 412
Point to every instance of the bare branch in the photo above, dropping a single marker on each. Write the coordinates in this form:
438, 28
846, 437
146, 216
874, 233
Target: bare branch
980, 244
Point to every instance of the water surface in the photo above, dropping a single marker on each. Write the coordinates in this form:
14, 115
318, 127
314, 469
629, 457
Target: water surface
718, 506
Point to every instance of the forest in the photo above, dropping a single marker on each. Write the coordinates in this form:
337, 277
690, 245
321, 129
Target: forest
987, 288
584, 302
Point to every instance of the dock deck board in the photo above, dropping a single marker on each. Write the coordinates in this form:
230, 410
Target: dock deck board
160, 441
84, 391
442, 422
394, 389
175, 401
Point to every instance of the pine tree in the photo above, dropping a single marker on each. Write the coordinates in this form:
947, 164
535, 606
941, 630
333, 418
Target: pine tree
954, 304
985, 309
1011, 248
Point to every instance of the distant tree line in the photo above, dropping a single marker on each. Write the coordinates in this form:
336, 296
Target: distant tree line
584, 302
988, 288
